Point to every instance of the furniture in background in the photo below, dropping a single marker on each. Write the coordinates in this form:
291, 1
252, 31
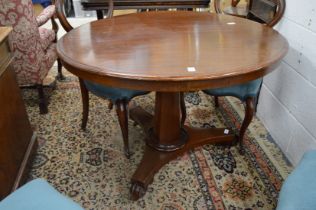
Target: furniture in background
100, 5
268, 13
17, 140
120, 97
176, 51
264, 11
33, 47
38, 195
235, 8
299, 189
44, 3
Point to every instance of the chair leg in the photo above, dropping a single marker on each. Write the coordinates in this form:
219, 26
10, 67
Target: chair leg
60, 75
249, 111
256, 101
110, 106
85, 104
257, 98
122, 114
42, 100
55, 28
100, 14
216, 101
183, 108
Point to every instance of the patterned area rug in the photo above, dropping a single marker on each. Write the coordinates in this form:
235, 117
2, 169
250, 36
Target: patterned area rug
90, 166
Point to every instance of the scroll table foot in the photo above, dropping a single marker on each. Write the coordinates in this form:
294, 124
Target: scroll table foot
154, 159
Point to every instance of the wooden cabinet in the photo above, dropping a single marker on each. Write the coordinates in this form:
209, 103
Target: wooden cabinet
17, 140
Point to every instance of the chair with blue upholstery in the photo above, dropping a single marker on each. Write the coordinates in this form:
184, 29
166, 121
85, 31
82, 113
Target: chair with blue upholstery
267, 12
299, 189
118, 96
38, 195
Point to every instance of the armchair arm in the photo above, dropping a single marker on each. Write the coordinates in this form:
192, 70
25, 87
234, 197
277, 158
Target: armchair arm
45, 15
63, 20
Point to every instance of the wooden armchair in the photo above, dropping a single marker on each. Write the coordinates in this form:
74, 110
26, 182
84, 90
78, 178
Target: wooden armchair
34, 47
118, 96
267, 12
263, 11
233, 8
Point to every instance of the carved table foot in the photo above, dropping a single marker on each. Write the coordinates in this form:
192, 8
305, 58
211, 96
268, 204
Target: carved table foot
154, 158
137, 190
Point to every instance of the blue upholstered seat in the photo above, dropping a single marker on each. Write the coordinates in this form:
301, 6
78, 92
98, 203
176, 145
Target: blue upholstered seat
299, 189
111, 93
37, 195
246, 92
242, 91
118, 96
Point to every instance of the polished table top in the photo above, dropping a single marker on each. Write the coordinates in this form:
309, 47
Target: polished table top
163, 46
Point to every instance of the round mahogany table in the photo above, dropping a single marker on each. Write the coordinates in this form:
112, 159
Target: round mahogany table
170, 53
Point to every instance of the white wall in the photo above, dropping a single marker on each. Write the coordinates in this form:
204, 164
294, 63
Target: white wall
287, 105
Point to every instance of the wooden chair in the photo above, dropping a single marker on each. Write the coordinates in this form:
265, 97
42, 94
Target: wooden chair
263, 11
233, 8
33, 47
267, 12
118, 96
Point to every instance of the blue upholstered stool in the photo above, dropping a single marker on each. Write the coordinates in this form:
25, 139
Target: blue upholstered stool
37, 195
298, 192
247, 93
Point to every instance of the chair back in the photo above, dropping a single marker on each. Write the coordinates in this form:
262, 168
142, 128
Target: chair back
63, 19
266, 11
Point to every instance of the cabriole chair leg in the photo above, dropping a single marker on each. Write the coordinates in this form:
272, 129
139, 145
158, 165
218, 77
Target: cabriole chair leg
249, 111
122, 114
85, 104
216, 101
183, 108
42, 99
60, 75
